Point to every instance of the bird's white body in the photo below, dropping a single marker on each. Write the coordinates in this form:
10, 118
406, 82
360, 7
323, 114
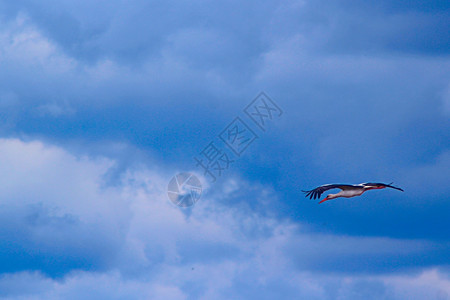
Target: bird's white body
348, 193
347, 190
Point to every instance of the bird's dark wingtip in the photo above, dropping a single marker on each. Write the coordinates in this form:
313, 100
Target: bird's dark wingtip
306, 193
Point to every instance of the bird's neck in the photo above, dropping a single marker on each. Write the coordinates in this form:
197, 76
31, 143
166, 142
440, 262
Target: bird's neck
332, 196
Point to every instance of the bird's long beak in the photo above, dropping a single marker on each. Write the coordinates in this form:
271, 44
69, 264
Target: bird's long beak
324, 200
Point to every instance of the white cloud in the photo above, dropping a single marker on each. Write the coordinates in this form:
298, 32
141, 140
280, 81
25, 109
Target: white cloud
430, 284
23, 45
60, 81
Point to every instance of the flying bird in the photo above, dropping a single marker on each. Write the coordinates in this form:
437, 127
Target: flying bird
347, 190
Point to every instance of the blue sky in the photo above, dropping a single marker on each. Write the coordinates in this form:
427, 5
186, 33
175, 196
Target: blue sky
102, 102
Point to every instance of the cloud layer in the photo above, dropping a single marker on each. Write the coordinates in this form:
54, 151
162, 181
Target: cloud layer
68, 235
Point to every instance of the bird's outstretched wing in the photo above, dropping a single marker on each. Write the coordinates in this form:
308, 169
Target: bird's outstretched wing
378, 184
317, 192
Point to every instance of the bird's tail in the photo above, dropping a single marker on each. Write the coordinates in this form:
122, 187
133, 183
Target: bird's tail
394, 187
